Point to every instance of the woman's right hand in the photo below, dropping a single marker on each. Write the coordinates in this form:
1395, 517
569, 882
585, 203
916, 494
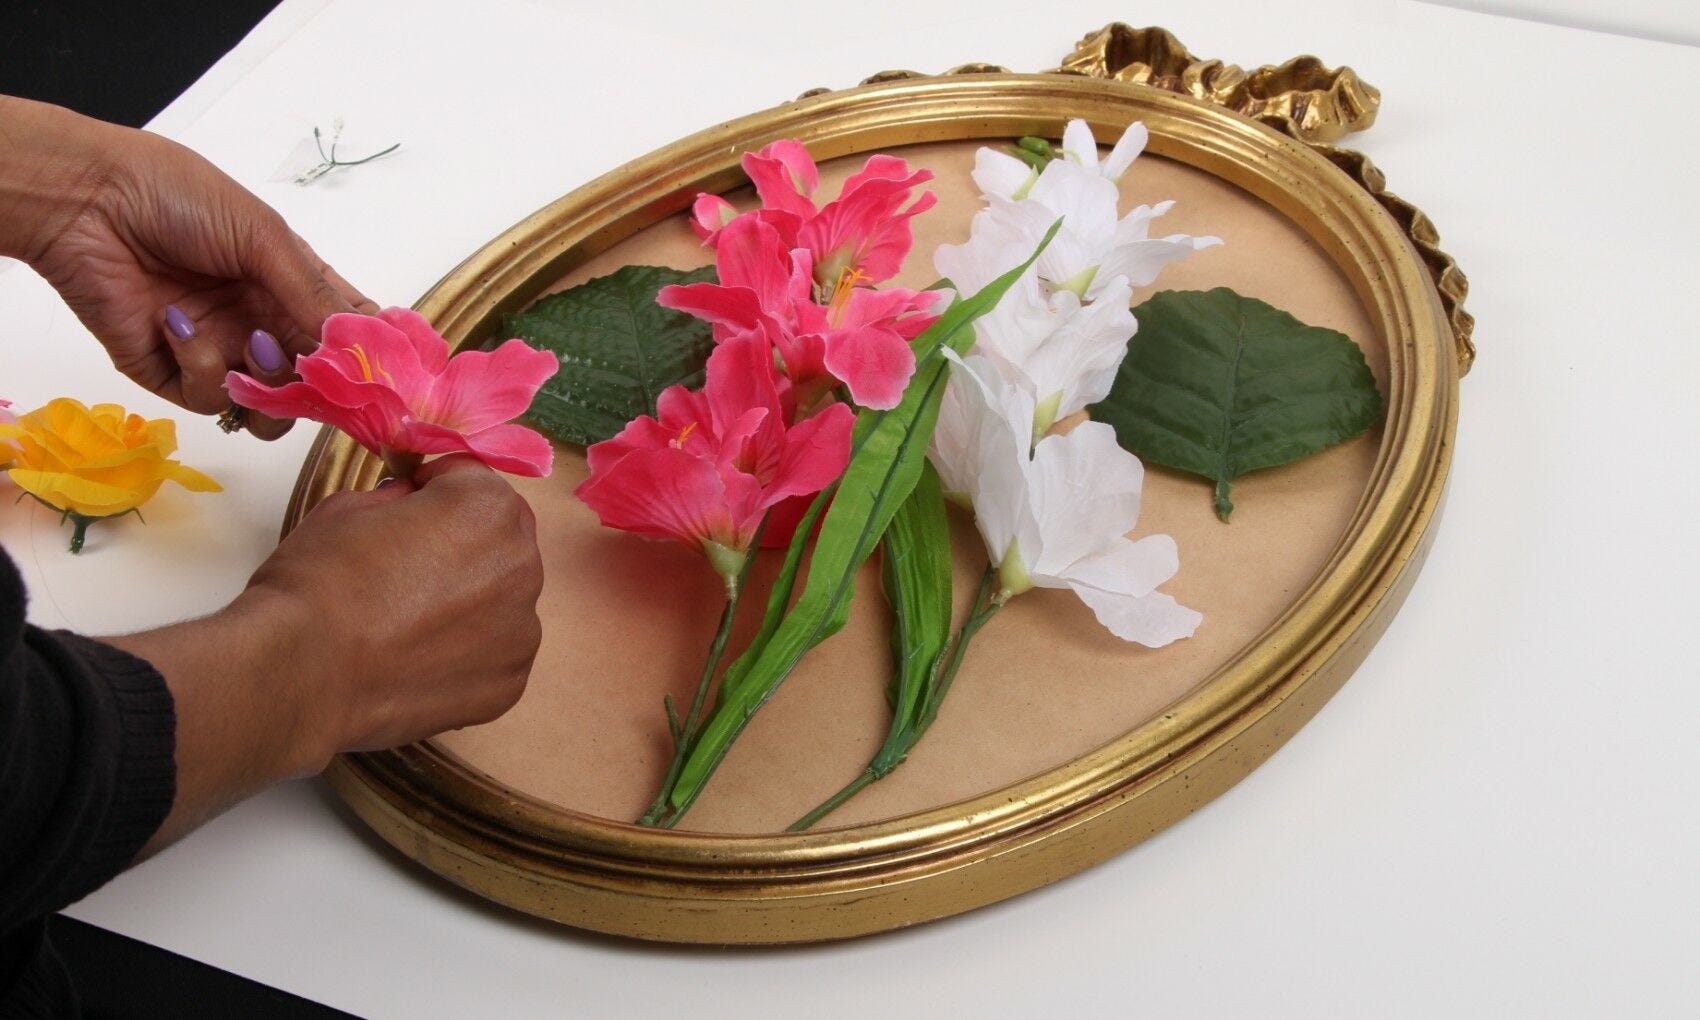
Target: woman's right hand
416, 605
383, 618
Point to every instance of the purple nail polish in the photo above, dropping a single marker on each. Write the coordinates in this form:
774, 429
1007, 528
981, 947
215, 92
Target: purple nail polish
182, 327
265, 350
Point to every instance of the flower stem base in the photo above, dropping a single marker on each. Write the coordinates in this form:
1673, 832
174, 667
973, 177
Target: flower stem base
80, 522
904, 736
401, 465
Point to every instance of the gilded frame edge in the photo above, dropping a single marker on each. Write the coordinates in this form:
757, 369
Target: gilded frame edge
696, 887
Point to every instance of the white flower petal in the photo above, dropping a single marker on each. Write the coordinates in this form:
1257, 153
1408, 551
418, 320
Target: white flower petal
1080, 357
1019, 321
1153, 620
1079, 145
1085, 493
1000, 238
1128, 147
999, 173
990, 451
951, 450
1143, 261
1086, 202
1127, 567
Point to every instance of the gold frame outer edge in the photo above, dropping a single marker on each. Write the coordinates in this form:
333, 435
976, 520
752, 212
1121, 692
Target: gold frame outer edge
705, 888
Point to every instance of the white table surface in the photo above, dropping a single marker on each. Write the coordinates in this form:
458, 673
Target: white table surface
1496, 816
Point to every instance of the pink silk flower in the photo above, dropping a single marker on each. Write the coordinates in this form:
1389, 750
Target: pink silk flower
388, 381
711, 463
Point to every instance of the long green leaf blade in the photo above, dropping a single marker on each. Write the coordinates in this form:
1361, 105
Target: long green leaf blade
916, 571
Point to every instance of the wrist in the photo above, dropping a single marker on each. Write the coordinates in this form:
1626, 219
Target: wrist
52, 166
245, 692
281, 630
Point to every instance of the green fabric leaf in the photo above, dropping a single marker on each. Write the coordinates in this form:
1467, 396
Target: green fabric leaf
618, 350
915, 570
887, 452
1219, 384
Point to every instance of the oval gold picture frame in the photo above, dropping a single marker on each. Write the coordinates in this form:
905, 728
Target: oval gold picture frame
694, 887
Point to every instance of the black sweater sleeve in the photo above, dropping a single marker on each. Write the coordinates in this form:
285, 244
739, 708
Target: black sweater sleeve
86, 775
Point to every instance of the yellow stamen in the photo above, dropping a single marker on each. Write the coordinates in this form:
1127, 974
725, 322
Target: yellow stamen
841, 293
369, 364
684, 434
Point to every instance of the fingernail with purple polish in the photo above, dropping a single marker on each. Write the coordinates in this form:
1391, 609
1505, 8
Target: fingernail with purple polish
267, 354
182, 327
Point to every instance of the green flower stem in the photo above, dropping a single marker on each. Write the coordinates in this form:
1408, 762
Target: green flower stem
1224, 504
80, 522
905, 735
79, 530
401, 466
684, 732
987, 604
867, 778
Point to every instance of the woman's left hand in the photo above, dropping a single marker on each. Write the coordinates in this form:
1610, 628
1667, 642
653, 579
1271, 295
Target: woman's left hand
180, 272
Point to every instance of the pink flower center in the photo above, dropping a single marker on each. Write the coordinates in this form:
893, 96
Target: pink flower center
758, 460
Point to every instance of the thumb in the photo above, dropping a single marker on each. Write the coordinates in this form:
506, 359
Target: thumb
348, 500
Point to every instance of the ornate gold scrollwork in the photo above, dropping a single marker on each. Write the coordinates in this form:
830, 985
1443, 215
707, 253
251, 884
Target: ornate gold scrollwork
1302, 98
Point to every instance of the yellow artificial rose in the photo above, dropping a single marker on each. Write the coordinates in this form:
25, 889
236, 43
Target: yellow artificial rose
94, 462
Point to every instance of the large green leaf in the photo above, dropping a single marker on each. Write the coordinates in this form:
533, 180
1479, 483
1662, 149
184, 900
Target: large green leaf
915, 570
1219, 384
618, 350
888, 450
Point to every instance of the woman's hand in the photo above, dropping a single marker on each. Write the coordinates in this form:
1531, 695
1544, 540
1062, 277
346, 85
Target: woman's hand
178, 270
418, 607
384, 618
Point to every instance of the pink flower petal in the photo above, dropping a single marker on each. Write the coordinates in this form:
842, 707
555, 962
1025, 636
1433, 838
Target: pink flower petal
867, 229
752, 254
875, 363
881, 167
814, 455
667, 493
785, 177
785, 224
730, 306
708, 214
479, 389
432, 349
324, 373
750, 445
511, 448
741, 377
783, 518
804, 358
365, 348
641, 433
679, 408
387, 380
890, 306
371, 425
